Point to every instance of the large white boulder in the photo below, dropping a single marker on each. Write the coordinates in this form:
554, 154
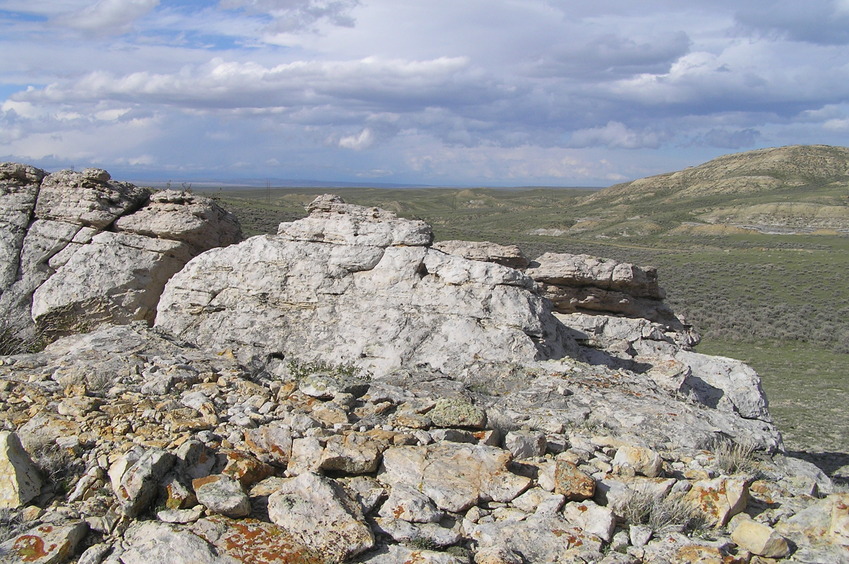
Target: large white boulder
354, 284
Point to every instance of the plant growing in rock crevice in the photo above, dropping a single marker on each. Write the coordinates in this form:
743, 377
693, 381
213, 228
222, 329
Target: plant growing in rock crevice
58, 466
660, 513
733, 457
13, 342
11, 524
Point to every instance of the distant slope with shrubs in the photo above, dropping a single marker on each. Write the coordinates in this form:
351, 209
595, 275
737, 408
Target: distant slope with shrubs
787, 189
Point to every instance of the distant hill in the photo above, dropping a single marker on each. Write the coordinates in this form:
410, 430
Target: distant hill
801, 188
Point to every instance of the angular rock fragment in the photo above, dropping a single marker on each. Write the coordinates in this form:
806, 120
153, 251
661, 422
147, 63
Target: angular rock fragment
539, 539
223, 495
138, 485
591, 518
525, 444
353, 453
319, 513
150, 541
249, 540
44, 544
409, 504
572, 483
719, 499
759, 539
20, 479
641, 460
455, 476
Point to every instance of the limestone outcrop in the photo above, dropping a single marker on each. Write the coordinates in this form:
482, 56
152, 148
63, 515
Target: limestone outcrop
354, 284
587, 284
507, 255
343, 391
78, 248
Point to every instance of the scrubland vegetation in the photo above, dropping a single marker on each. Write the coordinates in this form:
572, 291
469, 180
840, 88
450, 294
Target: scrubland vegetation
778, 302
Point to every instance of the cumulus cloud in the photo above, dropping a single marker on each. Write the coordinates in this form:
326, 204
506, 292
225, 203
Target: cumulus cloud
363, 140
549, 90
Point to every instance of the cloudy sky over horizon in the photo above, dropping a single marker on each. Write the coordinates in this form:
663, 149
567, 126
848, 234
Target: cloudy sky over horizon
438, 92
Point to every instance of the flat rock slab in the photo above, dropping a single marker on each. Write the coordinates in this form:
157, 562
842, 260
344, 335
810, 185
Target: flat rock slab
45, 544
150, 541
321, 515
454, 475
257, 542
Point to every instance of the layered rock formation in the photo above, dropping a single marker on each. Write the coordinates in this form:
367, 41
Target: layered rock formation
354, 284
78, 249
344, 391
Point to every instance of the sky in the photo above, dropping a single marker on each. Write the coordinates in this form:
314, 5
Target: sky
430, 92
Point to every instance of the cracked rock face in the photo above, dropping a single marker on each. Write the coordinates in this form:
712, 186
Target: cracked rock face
354, 284
63, 266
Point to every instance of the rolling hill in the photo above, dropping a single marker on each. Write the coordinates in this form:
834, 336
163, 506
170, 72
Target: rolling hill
802, 189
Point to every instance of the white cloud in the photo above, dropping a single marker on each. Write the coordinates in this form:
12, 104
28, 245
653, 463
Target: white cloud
297, 15
441, 89
363, 140
616, 135
107, 16
839, 125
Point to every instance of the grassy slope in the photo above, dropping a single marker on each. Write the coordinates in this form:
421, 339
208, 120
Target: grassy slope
780, 303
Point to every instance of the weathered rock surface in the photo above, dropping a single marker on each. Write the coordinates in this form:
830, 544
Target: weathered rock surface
21, 479
44, 544
182, 216
321, 515
454, 476
507, 255
384, 486
394, 301
18, 192
66, 268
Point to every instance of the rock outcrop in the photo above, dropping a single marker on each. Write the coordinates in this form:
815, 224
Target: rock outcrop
507, 255
78, 249
354, 284
345, 392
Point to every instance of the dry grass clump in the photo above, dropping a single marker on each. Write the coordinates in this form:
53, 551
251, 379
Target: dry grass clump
733, 457
12, 342
58, 466
11, 524
661, 513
